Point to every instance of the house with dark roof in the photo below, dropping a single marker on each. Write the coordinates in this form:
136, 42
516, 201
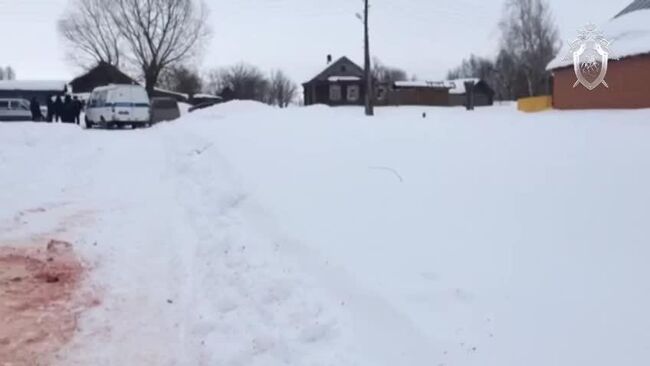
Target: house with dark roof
101, 75
105, 74
340, 83
628, 77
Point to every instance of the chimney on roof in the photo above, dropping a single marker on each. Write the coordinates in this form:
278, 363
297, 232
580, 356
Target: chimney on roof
329, 59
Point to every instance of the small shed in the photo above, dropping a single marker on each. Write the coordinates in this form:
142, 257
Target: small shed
101, 75
28, 89
483, 93
340, 83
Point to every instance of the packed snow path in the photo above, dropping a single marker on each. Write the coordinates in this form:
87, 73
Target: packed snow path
244, 235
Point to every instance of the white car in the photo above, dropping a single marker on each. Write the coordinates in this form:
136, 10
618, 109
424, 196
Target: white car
15, 110
118, 106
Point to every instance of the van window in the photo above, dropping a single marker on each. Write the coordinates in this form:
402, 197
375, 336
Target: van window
18, 105
4, 104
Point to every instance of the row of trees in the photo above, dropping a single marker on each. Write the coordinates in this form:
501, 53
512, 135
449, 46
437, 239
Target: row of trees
529, 41
247, 82
7, 73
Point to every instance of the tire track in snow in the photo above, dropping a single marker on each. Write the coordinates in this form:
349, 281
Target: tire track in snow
252, 307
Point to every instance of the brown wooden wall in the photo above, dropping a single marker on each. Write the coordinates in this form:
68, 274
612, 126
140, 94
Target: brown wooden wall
629, 87
416, 96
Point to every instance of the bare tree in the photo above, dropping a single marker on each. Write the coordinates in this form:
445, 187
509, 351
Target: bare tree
529, 35
160, 33
387, 74
181, 79
282, 91
243, 81
90, 33
7, 73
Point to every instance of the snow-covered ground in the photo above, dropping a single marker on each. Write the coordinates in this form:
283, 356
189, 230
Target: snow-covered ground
247, 235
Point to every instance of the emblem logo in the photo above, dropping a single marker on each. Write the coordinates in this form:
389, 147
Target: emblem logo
590, 54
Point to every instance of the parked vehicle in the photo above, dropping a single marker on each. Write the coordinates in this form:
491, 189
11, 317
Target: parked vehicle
164, 109
15, 110
117, 106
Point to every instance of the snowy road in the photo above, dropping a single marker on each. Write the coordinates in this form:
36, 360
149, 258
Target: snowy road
250, 236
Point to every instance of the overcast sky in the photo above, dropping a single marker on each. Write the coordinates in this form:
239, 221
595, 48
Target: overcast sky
425, 37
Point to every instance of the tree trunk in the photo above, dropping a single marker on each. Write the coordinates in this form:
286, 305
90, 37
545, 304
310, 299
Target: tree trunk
150, 80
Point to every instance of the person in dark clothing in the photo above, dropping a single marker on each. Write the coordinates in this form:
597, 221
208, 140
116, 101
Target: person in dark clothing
78, 106
50, 108
35, 108
58, 108
67, 110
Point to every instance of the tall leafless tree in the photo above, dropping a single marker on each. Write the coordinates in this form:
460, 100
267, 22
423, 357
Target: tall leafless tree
181, 79
282, 91
159, 33
530, 36
90, 33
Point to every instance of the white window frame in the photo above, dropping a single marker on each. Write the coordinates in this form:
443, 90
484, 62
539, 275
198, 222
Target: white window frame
336, 93
353, 93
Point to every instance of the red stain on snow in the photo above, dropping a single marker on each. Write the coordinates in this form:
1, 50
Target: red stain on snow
40, 301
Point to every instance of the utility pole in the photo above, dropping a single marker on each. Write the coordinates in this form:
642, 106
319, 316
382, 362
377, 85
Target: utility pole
370, 110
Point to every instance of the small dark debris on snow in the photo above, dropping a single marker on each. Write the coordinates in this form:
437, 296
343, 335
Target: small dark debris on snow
170, 301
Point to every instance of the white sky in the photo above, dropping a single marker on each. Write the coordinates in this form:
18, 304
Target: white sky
425, 37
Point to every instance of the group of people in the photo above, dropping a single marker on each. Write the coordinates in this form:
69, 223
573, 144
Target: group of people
67, 110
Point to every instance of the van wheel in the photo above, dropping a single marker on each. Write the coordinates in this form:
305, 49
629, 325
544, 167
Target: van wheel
89, 124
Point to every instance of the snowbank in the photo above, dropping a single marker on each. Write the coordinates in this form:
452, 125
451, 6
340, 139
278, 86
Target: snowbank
317, 236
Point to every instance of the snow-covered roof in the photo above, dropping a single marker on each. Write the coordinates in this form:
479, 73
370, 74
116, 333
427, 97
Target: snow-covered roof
343, 78
457, 86
628, 34
420, 84
33, 85
171, 92
206, 96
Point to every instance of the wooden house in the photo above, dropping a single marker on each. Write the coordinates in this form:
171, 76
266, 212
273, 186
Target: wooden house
341, 83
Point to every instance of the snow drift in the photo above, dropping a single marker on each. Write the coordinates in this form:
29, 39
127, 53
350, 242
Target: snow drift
246, 235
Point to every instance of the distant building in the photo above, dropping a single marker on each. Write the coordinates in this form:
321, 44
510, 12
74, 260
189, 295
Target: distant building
341, 83
105, 74
434, 93
628, 78
28, 89
482, 92
101, 75
425, 93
